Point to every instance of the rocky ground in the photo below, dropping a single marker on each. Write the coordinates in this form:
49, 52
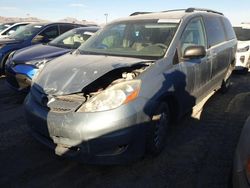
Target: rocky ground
199, 151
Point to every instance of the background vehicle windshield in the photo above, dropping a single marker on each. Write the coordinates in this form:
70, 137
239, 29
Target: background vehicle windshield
242, 33
145, 39
26, 32
4, 26
71, 39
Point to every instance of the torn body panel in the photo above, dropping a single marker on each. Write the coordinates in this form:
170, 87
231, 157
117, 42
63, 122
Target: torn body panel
71, 73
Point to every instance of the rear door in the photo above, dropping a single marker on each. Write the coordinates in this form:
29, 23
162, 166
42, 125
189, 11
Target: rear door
218, 46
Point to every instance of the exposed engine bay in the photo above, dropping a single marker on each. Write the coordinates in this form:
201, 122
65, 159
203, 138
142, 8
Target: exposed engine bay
71, 102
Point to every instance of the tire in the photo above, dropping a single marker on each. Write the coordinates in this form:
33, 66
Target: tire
226, 81
2, 64
157, 130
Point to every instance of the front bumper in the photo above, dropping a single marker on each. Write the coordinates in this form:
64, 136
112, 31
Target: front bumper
110, 137
19, 77
240, 180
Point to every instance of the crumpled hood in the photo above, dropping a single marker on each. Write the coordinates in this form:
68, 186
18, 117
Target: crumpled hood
70, 73
9, 41
37, 52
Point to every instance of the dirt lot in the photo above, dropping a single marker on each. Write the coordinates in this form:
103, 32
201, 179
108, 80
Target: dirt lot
199, 152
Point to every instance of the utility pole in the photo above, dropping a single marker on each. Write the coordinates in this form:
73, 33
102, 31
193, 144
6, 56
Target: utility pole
106, 15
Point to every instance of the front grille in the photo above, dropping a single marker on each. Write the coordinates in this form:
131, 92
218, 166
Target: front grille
59, 104
66, 103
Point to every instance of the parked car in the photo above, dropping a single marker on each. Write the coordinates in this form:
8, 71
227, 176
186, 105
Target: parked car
113, 98
29, 35
241, 170
5, 25
12, 28
22, 65
243, 52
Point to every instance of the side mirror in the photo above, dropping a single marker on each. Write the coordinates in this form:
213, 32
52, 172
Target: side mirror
194, 52
40, 39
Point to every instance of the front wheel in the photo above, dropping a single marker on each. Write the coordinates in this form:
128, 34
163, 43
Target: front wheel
157, 132
2, 64
225, 86
227, 81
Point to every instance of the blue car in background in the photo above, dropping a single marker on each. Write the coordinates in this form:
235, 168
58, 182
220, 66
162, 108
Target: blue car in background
29, 35
23, 64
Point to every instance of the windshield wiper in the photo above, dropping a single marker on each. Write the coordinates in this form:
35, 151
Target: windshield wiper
89, 53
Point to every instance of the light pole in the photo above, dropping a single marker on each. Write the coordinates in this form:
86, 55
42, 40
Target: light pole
106, 15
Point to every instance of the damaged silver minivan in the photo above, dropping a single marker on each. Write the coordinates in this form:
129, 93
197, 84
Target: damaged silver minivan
114, 98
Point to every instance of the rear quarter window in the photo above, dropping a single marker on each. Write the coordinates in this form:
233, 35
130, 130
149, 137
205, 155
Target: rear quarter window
215, 30
66, 27
230, 34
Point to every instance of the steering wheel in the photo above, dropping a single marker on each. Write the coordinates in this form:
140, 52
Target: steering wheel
102, 46
161, 45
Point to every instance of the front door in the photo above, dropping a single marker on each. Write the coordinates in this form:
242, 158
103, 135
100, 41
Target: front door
198, 70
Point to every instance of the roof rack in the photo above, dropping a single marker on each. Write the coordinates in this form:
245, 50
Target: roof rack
191, 9
137, 13
201, 9
173, 10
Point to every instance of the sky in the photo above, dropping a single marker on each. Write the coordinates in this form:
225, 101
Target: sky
95, 10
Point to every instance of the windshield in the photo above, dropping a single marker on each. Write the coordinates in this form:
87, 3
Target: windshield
242, 33
71, 39
4, 26
26, 32
144, 39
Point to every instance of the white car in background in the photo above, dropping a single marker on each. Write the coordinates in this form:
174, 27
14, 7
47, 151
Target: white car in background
12, 28
5, 25
242, 32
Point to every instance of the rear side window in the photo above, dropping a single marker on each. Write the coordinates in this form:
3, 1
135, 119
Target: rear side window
50, 32
215, 31
65, 28
229, 29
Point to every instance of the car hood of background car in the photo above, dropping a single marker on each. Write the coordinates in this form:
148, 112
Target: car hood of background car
242, 44
70, 73
39, 51
9, 41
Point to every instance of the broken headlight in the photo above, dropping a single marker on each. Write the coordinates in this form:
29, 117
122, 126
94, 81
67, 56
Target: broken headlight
38, 63
245, 49
113, 97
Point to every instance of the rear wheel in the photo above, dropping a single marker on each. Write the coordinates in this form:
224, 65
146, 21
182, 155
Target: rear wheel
157, 132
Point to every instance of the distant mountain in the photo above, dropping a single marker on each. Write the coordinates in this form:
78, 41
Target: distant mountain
34, 19
16, 19
74, 20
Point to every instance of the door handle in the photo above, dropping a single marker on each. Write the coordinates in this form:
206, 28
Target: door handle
214, 54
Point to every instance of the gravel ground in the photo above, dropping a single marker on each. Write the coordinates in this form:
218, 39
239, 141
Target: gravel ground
199, 151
